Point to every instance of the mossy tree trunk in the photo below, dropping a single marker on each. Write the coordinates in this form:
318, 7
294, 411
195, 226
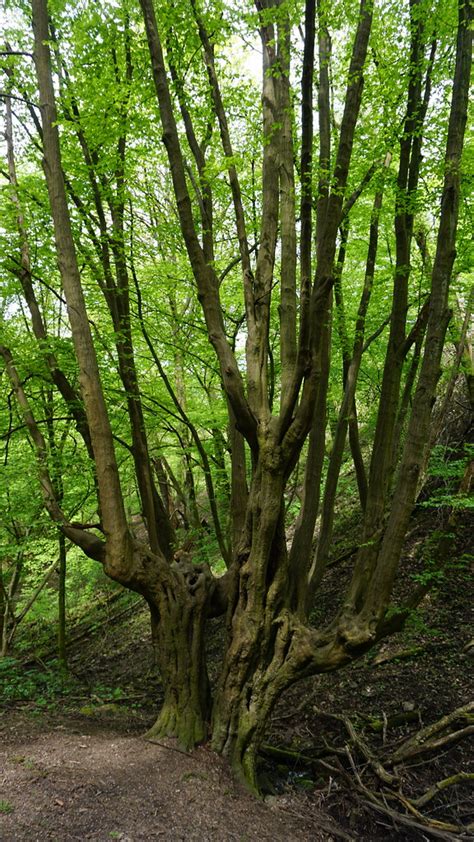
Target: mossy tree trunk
179, 628
255, 670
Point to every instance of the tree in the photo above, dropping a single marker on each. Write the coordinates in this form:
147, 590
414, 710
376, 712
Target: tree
293, 265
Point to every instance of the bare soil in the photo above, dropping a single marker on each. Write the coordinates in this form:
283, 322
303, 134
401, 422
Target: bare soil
83, 780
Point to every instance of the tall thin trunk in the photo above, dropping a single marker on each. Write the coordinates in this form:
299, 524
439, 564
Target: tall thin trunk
301, 552
239, 488
61, 382
348, 403
294, 425
204, 274
7, 598
381, 464
113, 513
417, 438
62, 652
287, 214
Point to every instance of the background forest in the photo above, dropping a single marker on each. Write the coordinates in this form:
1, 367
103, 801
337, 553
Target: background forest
236, 294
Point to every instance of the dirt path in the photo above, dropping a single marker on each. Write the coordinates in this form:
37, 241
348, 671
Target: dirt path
69, 783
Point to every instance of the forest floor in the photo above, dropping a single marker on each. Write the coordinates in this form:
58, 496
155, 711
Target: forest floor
75, 766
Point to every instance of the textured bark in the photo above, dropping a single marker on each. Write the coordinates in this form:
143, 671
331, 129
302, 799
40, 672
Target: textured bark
182, 608
246, 690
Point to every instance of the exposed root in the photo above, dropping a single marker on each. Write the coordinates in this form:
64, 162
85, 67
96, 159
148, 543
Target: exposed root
408, 822
439, 828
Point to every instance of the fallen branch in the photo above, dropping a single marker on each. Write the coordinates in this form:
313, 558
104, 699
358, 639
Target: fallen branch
364, 749
424, 820
459, 778
407, 821
426, 739
436, 828
421, 743
378, 725
294, 757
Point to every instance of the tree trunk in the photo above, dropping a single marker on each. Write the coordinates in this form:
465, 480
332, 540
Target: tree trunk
62, 602
179, 612
7, 597
255, 670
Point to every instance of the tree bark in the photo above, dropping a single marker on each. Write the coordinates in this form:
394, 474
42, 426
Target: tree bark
181, 610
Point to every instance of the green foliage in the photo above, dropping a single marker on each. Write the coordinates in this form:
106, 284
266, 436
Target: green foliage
103, 693
417, 625
40, 687
448, 465
436, 569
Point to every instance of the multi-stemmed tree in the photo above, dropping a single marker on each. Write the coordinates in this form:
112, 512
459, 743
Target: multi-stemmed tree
297, 260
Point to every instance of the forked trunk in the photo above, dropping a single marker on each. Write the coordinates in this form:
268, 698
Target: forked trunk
257, 667
256, 675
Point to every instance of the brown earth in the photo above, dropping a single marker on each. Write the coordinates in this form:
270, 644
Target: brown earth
81, 780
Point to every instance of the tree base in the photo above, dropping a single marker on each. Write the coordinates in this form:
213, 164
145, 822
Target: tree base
186, 727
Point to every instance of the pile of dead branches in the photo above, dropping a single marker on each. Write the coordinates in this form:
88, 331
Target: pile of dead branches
385, 778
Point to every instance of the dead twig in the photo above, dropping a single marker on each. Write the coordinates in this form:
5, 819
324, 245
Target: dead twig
364, 749
436, 828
